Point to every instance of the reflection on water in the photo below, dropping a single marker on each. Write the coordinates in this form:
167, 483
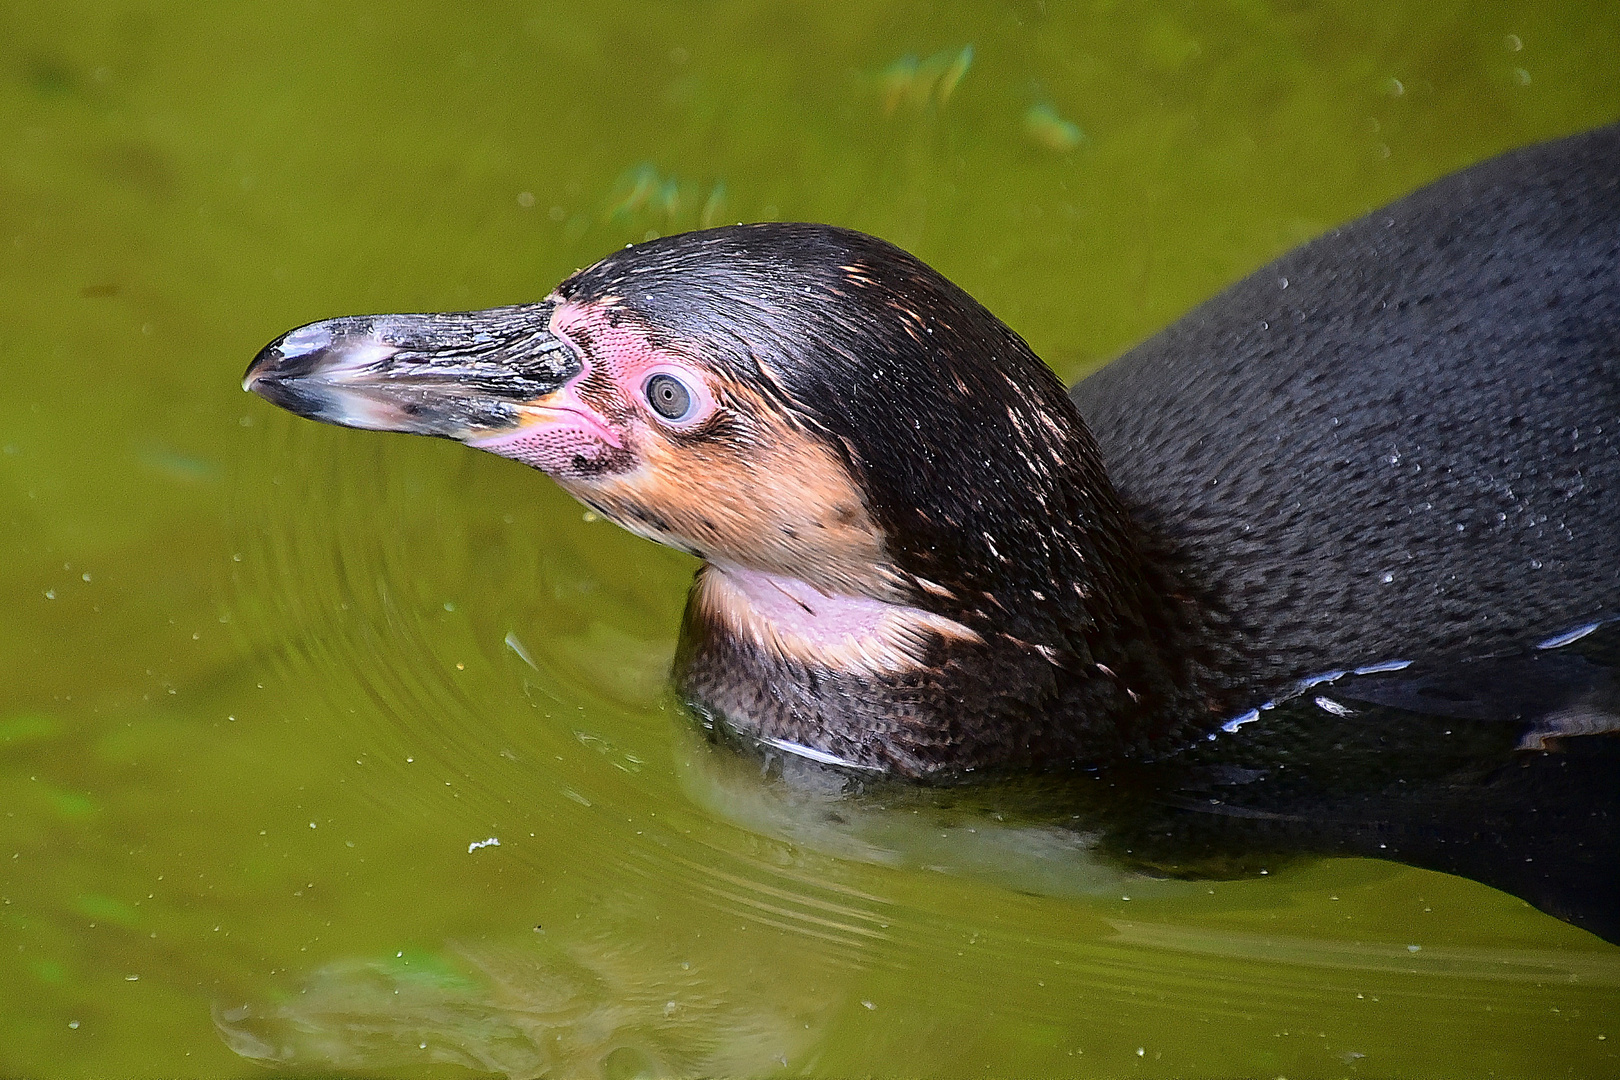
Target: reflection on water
1017, 836
267, 684
619, 1007
637, 1006
1503, 769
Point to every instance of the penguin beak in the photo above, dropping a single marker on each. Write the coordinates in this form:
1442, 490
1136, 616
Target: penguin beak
463, 375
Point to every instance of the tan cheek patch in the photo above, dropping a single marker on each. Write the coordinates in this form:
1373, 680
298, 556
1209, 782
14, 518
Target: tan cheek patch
765, 494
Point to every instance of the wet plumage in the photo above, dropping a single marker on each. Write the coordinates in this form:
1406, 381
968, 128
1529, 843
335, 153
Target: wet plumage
1399, 444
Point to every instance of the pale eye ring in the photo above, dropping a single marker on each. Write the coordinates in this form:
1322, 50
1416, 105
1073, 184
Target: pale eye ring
668, 396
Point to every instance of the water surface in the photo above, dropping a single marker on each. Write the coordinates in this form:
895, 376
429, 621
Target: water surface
272, 690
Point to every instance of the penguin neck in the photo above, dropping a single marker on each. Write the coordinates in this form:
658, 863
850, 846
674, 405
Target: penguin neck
798, 623
890, 687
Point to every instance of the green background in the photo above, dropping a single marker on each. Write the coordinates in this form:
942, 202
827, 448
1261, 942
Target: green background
263, 683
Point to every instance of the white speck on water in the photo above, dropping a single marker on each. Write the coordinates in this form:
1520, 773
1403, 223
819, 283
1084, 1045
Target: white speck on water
516, 646
869, 1005
1414, 948
1387, 578
493, 841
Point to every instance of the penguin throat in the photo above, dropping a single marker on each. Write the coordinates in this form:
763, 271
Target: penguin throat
791, 620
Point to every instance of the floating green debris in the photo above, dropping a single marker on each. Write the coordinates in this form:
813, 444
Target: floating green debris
642, 182
919, 83
177, 466
70, 804
26, 728
713, 207
1047, 128
423, 969
106, 909
669, 198
954, 71
49, 971
644, 196
51, 76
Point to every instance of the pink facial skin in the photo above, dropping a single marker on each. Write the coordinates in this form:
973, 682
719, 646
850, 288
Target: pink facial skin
596, 423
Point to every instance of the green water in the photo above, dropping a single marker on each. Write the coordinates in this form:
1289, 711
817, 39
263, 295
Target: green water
265, 685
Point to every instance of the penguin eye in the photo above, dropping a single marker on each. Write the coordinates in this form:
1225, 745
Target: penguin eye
668, 396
